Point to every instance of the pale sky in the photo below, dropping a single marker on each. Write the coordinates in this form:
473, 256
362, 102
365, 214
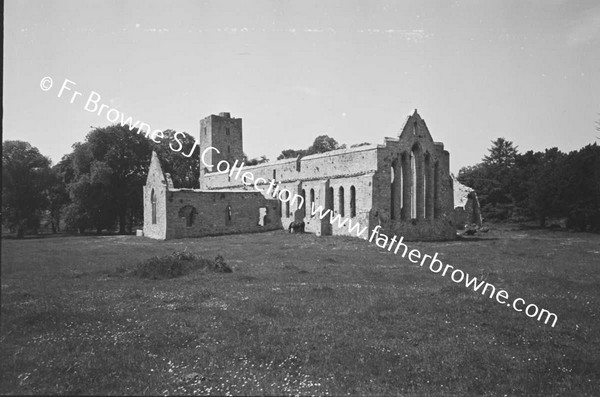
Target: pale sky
475, 70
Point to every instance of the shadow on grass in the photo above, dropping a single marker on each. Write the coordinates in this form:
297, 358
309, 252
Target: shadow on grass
13, 236
474, 238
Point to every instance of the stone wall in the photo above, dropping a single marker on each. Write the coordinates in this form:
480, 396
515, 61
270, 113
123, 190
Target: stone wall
466, 205
155, 225
340, 163
363, 202
218, 212
469, 214
176, 213
412, 195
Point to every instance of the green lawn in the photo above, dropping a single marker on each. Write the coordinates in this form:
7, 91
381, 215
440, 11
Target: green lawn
300, 314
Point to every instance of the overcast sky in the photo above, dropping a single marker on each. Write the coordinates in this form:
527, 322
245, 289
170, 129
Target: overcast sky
528, 71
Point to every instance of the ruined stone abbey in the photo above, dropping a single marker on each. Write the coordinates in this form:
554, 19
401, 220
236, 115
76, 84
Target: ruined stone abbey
403, 185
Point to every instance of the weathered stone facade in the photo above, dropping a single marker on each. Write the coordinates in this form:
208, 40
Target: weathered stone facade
403, 185
175, 213
466, 206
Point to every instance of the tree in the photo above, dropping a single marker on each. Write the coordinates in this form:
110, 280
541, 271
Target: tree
110, 168
476, 177
502, 154
58, 196
184, 171
25, 180
324, 143
493, 179
62, 175
582, 188
321, 144
292, 154
250, 162
484, 183
539, 184
92, 198
105, 174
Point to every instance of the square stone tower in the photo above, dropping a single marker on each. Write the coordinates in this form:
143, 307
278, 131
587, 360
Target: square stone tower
223, 133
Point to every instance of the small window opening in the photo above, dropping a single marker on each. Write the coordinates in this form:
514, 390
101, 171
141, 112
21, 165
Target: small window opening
262, 216
228, 215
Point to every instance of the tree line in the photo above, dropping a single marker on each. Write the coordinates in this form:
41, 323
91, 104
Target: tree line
540, 186
98, 185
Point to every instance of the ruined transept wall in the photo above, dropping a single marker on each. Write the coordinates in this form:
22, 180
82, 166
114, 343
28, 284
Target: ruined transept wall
412, 193
176, 213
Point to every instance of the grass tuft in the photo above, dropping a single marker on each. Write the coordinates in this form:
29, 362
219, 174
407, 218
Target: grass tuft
177, 264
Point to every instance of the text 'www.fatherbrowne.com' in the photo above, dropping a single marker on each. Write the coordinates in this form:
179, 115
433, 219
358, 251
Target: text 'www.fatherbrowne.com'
435, 265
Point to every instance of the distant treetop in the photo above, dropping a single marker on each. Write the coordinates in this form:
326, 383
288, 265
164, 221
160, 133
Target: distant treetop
321, 144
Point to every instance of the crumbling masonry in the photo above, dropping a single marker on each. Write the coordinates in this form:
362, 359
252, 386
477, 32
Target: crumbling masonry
403, 185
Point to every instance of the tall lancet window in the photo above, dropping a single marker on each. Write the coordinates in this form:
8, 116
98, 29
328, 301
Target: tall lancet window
413, 186
153, 203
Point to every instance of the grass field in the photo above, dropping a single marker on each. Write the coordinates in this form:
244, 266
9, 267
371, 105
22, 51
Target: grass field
300, 314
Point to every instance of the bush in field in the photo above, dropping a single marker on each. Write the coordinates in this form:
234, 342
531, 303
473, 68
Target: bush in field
178, 264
